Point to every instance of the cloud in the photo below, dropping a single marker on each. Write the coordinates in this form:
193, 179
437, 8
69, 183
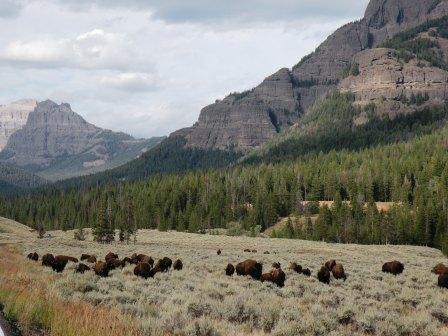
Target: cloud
131, 82
10, 8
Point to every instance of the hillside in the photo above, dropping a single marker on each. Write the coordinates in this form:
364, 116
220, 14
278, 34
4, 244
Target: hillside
13, 180
57, 143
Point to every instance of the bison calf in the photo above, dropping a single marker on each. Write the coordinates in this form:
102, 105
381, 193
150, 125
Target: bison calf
324, 275
82, 268
178, 265
276, 276
393, 267
295, 267
250, 267
33, 256
230, 269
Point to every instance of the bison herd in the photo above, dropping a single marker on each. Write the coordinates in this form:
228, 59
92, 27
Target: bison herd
144, 265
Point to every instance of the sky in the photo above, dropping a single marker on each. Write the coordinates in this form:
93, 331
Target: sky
148, 67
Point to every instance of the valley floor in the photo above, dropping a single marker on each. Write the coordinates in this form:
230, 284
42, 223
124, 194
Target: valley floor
201, 300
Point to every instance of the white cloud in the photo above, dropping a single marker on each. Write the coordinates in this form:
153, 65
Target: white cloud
131, 82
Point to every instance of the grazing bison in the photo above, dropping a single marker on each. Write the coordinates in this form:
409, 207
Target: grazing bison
250, 267
145, 259
47, 260
324, 275
330, 264
91, 259
127, 260
254, 251
101, 269
440, 269
114, 264
143, 270
218, 252
443, 280
393, 267
178, 265
276, 265
85, 256
295, 267
246, 250
276, 276
61, 261
82, 268
338, 272
163, 265
266, 252
306, 272
110, 255
33, 256
230, 269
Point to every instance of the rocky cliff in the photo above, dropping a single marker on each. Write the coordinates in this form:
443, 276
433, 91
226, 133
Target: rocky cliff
13, 117
244, 121
56, 143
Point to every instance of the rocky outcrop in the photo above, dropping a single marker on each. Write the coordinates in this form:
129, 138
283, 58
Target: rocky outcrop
245, 121
382, 76
13, 117
56, 143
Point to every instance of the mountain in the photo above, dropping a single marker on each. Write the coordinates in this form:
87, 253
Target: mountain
13, 117
57, 143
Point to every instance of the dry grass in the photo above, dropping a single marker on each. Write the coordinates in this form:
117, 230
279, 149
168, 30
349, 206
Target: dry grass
201, 300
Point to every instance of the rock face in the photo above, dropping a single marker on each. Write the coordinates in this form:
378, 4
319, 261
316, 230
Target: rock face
13, 117
57, 143
245, 121
383, 77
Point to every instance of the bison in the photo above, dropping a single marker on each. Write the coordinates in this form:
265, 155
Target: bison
443, 280
163, 265
127, 260
250, 267
295, 267
33, 256
254, 251
178, 265
440, 269
145, 259
61, 261
330, 264
246, 250
324, 275
276, 265
91, 260
143, 270
114, 264
393, 267
338, 272
218, 252
230, 269
47, 260
110, 255
101, 269
276, 276
85, 256
266, 252
306, 272
82, 268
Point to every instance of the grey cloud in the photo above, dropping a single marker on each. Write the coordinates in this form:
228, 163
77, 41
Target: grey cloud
212, 11
9, 8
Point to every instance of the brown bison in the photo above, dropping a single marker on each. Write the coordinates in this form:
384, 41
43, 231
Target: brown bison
306, 272
440, 269
295, 267
393, 267
218, 252
82, 268
47, 260
254, 251
101, 269
114, 264
276, 265
61, 261
338, 272
143, 270
33, 256
110, 255
178, 265
145, 259
324, 275
443, 280
85, 256
276, 276
127, 260
266, 252
330, 264
91, 259
250, 267
230, 269
163, 265
246, 250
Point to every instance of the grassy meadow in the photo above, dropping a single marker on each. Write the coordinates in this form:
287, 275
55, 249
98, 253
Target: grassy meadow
201, 300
